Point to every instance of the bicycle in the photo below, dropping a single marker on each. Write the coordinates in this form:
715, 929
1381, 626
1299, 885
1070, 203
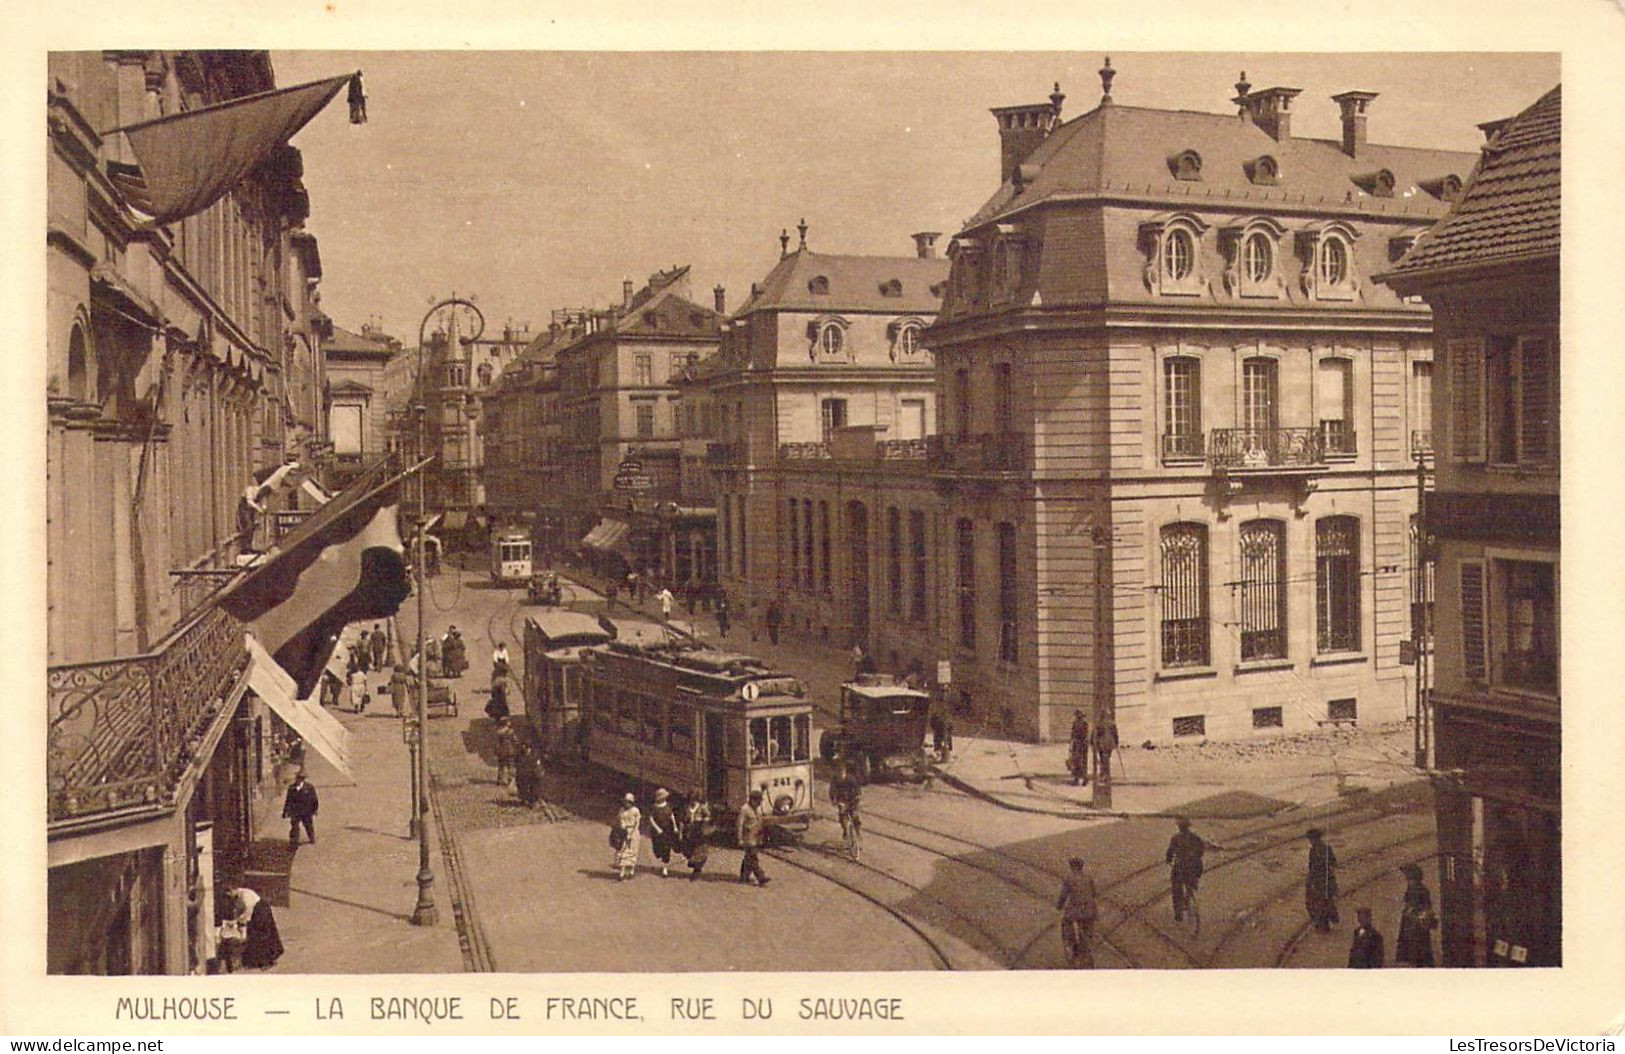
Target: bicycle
852, 832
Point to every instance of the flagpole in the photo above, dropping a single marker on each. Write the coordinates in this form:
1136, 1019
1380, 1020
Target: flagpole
425, 913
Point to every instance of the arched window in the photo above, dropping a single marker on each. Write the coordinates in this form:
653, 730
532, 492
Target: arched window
831, 339
1263, 592
1178, 256
1184, 595
1333, 262
908, 339
78, 368
1257, 258
1337, 583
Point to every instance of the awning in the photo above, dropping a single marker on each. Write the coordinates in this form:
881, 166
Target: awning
456, 520
315, 726
315, 492
609, 534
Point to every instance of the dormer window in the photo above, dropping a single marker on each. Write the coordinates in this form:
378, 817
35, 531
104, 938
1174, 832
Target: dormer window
904, 335
826, 338
1174, 263
1328, 272
1445, 188
1263, 171
891, 288
830, 340
1257, 258
818, 285
1379, 184
1186, 165
1252, 251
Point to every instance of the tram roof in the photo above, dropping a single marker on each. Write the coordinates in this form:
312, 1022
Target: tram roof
572, 626
886, 691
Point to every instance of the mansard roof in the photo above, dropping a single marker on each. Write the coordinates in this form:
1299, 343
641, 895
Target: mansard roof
850, 283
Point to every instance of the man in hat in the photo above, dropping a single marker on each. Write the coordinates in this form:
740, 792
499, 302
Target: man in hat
1320, 886
749, 833
1184, 858
299, 807
1078, 909
1077, 759
1365, 953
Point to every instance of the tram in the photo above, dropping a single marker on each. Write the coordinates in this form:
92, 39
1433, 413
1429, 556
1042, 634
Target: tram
553, 643
701, 722
510, 558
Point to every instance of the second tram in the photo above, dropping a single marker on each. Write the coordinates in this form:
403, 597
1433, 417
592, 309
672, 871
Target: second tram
510, 558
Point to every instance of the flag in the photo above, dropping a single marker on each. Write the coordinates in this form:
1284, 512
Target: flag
344, 564
189, 160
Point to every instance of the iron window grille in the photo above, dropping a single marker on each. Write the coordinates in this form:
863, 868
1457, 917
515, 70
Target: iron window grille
1190, 725
1268, 717
1184, 595
1337, 584
1263, 600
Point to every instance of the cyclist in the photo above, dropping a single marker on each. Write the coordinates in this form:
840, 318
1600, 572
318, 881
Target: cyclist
846, 792
1077, 905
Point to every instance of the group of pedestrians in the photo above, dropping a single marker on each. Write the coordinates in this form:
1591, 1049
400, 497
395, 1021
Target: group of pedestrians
1098, 744
681, 827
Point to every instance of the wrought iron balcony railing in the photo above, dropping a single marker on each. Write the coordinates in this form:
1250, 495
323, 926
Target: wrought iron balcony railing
989, 452
1181, 446
803, 451
192, 586
1421, 442
1337, 439
900, 450
1263, 448
120, 733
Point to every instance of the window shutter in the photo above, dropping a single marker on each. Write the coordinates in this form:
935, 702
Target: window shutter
1473, 621
1467, 399
1536, 375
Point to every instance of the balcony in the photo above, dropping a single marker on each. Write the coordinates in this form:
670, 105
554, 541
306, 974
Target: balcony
121, 733
803, 451
1421, 443
1262, 449
1337, 440
901, 450
1183, 446
990, 453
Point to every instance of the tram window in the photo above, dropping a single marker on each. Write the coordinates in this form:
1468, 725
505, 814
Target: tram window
780, 748
803, 737
758, 741
649, 730
680, 730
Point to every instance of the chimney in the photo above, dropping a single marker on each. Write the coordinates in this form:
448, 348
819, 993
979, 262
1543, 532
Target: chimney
721, 296
1353, 104
1242, 88
1272, 111
784, 244
626, 293
1021, 129
925, 244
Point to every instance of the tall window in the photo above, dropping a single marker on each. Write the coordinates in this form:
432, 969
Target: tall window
831, 339
1337, 583
1258, 405
965, 532
739, 520
1421, 575
911, 419
1178, 256
1184, 595
1333, 262
1525, 652
894, 561
1422, 406
1182, 407
646, 420
794, 536
1257, 258
643, 370
962, 402
1007, 592
832, 412
824, 574
725, 533
1263, 596
1334, 396
916, 545
1002, 412
1519, 385
807, 544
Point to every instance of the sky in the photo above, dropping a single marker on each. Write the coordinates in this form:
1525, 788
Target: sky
540, 180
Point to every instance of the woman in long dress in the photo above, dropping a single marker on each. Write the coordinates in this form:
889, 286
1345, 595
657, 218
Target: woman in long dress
1416, 921
626, 856
264, 944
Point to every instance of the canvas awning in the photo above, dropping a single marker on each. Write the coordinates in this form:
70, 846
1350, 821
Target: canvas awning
456, 520
609, 534
318, 728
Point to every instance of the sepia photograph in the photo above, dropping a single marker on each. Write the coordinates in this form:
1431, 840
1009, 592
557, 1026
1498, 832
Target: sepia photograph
679, 512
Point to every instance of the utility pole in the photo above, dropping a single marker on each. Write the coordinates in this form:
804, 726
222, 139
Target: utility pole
1421, 631
1103, 708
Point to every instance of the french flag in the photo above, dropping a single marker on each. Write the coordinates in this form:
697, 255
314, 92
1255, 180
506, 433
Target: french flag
344, 564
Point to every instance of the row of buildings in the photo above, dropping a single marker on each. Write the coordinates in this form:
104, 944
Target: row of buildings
186, 359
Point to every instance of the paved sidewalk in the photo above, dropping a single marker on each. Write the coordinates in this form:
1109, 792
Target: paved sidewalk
353, 891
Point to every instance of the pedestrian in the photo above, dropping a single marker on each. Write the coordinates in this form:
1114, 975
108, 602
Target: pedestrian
662, 829
749, 832
1414, 945
496, 708
380, 645
775, 619
1320, 886
624, 836
360, 694
1079, 909
506, 747
690, 595
299, 809
722, 615
1365, 952
696, 845
499, 659
331, 687
1077, 759
1184, 857
936, 731
634, 588
362, 652
400, 688
665, 597
260, 945
527, 776
947, 751
1105, 744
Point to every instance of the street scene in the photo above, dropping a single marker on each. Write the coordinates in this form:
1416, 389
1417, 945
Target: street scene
1121, 534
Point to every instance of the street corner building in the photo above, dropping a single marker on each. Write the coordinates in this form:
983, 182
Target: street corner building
1490, 272
186, 432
